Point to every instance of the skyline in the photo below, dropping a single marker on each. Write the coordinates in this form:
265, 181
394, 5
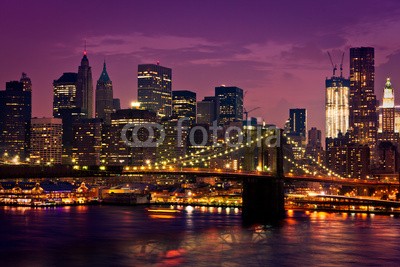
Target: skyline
281, 67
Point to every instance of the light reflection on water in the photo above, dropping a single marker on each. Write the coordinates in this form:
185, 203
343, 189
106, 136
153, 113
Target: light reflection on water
197, 236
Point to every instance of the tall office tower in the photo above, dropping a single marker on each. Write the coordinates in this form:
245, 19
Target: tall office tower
154, 89
184, 105
15, 120
388, 134
64, 93
104, 97
297, 131
87, 141
46, 141
298, 122
136, 153
363, 116
26, 81
206, 110
66, 108
229, 104
387, 110
336, 106
84, 87
116, 104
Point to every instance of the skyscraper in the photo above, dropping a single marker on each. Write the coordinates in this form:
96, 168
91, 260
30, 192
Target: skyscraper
229, 104
363, 115
84, 87
184, 105
388, 134
15, 120
46, 141
154, 89
387, 109
104, 97
297, 131
298, 122
336, 106
64, 93
206, 110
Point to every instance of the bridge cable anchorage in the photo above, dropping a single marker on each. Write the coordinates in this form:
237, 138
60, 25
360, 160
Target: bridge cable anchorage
329, 171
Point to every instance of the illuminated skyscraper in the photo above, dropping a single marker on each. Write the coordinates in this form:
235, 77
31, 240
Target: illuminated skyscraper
155, 89
363, 116
64, 93
336, 106
229, 104
388, 134
184, 105
297, 132
66, 108
15, 120
104, 97
298, 122
387, 110
46, 141
84, 87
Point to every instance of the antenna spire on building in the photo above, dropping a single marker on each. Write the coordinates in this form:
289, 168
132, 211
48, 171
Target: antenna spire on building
84, 51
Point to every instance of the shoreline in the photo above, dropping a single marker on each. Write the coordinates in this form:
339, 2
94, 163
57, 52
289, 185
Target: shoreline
287, 208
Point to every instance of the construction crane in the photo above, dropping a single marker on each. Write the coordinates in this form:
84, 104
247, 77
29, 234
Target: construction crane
333, 65
341, 66
246, 112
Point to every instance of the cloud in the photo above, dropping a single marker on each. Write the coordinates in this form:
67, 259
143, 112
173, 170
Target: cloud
138, 43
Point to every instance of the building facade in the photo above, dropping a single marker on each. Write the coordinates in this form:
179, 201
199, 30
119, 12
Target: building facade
206, 110
229, 104
314, 146
346, 158
86, 145
46, 141
155, 89
64, 93
122, 148
15, 120
387, 130
184, 105
298, 122
336, 106
363, 115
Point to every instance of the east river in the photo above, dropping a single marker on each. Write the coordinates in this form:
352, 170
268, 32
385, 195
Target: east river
199, 236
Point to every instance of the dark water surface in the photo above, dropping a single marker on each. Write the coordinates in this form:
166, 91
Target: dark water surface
130, 236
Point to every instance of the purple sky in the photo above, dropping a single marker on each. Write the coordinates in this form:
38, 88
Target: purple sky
275, 50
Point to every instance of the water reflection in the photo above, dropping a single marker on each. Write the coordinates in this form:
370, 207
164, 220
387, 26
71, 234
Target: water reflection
197, 236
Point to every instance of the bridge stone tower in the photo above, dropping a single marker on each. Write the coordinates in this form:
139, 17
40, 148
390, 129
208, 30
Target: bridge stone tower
263, 197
